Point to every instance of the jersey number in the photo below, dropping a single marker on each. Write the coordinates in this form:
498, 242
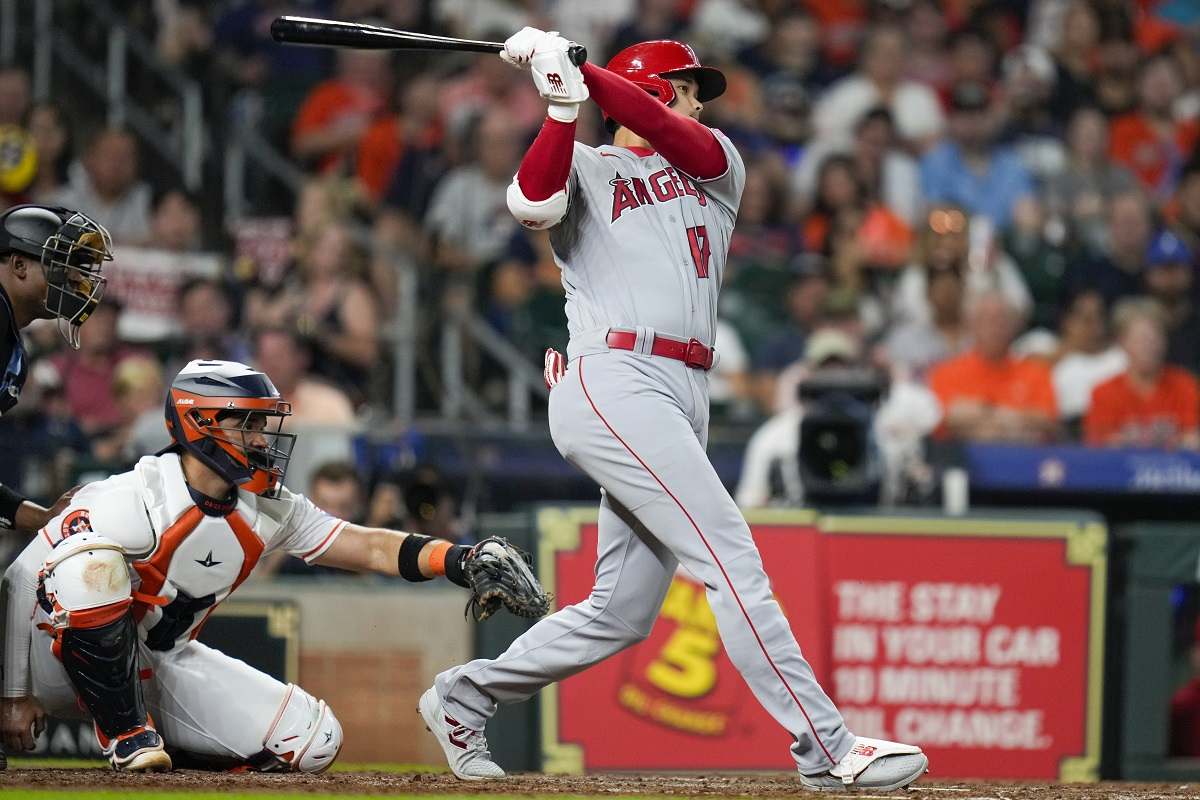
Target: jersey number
698, 239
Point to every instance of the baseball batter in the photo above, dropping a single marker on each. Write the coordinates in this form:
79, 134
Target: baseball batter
103, 607
641, 229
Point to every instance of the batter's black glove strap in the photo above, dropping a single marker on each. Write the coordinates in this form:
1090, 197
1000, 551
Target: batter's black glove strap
499, 575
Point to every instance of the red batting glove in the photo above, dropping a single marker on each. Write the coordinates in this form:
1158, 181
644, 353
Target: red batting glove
556, 367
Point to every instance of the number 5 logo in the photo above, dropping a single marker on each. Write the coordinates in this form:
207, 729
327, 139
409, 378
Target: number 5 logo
698, 239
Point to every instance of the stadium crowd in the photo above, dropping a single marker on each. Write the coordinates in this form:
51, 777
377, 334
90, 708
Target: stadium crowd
996, 204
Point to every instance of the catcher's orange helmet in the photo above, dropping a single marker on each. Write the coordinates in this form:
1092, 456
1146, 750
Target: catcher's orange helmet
250, 455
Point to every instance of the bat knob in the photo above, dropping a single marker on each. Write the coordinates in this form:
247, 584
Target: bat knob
578, 54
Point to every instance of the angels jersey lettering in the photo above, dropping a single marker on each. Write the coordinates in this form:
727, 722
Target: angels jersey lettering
643, 244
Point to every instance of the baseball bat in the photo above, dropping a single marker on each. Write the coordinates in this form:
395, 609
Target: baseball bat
332, 33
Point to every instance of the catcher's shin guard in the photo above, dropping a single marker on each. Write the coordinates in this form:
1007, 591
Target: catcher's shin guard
102, 665
305, 736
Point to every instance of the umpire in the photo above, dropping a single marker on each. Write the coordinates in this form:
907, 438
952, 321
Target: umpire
50, 260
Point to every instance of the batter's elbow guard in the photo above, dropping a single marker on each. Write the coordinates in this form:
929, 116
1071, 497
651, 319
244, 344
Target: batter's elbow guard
536, 214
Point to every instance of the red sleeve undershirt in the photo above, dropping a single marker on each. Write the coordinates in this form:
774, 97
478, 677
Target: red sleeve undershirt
687, 144
547, 164
683, 141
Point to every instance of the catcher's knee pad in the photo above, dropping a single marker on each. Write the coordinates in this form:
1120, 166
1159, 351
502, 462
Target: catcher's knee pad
84, 586
536, 214
84, 582
305, 736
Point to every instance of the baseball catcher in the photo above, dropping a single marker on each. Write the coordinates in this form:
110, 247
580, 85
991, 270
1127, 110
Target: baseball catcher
123, 579
641, 230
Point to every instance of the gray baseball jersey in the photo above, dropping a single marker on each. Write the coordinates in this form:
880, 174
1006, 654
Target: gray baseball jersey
643, 244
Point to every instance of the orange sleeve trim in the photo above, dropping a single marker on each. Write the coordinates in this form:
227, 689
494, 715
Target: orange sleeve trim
437, 557
328, 540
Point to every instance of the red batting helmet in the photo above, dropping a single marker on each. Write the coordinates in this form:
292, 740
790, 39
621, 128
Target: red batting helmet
650, 64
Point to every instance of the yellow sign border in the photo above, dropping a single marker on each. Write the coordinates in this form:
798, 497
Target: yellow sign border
1086, 546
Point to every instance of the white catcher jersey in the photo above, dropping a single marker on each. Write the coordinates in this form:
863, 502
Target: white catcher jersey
184, 562
643, 244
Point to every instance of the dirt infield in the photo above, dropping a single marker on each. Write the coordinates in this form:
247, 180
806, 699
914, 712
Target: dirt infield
725, 785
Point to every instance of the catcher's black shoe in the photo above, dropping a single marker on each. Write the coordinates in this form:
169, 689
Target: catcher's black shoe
139, 750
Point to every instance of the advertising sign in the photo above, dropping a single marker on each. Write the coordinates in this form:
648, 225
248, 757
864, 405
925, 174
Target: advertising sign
969, 637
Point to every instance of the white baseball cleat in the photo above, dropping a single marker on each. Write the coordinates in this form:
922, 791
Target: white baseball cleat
872, 764
466, 750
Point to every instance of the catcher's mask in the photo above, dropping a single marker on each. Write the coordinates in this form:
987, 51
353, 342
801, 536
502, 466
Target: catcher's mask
71, 248
230, 417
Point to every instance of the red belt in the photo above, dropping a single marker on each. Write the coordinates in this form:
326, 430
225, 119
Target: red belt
693, 352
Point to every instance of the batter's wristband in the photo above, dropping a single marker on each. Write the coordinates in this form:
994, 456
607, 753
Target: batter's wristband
454, 565
10, 501
410, 550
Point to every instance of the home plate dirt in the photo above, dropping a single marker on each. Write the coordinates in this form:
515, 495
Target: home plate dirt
689, 785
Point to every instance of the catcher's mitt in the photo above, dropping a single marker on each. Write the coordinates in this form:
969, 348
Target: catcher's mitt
499, 575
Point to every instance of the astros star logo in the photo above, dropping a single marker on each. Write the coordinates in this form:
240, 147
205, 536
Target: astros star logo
207, 561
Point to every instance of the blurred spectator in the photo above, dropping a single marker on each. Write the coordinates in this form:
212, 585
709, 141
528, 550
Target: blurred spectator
1116, 78
729, 27
523, 298
914, 346
1086, 355
329, 302
1117, 272
429, 507
1150, 141
838, 194
1080, 193
417, 125
1040, 247
248, 55
880, 81
653, 19
927, 61
888, 174
14, 95
989, 395
792, 49
972, 58
139, 390
1187, 205
184, 33
1150, 404
805, 303
1030, 125
52, 137
1075, 59
207, 325
175, 225
337, 112
945, 242
482, 19
468, 215
286, 360
1170, 279
86, 374
969, 168
336, 489
489, 85
107, 184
